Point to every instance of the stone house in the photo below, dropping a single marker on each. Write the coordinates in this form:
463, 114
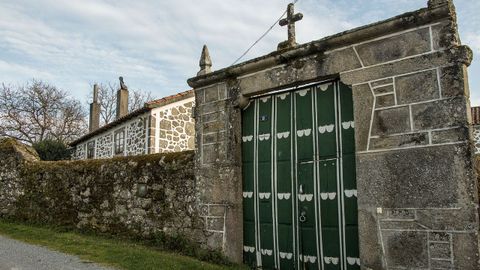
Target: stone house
353, 151
162, 125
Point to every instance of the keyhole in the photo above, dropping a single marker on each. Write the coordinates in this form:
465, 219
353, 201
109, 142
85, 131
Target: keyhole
303, 217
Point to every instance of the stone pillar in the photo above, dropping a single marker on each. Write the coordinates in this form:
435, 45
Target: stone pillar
218, 168
151, 127
94, 122
218, 163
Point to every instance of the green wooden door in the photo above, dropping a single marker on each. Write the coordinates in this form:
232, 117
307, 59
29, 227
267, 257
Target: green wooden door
299, 189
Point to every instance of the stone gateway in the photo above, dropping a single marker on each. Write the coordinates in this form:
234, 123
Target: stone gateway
350, 152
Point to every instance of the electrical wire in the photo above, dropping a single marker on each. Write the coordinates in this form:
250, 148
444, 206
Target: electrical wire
262, 36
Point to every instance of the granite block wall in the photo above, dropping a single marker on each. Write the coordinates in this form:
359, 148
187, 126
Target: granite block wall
176, 128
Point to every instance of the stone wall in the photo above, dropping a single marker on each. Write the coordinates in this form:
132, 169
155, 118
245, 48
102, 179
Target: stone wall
80, 152
137, 196
11, 165
104, 146
476, 138
175, 127
164, 129
417, 189
135, 140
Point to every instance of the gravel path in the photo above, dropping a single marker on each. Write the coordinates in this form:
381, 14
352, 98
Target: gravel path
16, 255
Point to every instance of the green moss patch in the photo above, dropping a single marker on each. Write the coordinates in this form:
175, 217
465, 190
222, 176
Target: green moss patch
119, 253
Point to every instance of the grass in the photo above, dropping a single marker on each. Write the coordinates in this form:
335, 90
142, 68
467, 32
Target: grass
119, 253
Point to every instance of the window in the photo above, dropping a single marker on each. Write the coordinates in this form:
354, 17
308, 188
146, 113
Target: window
91, 149
119, 142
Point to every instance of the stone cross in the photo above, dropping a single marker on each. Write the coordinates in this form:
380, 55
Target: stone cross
290, 21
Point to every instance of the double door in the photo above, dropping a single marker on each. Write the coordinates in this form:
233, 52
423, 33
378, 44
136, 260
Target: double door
299, 189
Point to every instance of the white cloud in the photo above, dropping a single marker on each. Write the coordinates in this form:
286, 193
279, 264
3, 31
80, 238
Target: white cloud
14, 70
473, 41
155, 44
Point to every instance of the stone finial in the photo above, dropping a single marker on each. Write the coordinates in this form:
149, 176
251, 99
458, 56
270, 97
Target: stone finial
437, 3
123, 86
205, 62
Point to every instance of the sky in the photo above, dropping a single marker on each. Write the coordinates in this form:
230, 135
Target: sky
155, 45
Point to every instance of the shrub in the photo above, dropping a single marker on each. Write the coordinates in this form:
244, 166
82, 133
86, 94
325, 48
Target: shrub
52, 150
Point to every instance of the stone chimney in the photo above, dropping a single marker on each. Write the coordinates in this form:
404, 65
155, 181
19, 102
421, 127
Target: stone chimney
122, 99
94, 122
205, 62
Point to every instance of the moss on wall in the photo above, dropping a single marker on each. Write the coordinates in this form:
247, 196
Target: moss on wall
136, 196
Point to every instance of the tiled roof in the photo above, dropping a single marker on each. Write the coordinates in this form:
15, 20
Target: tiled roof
170, 99
147, 107
475, 115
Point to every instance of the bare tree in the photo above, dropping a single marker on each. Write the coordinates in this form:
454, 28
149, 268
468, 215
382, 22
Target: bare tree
138, 98
107, 97
38, 111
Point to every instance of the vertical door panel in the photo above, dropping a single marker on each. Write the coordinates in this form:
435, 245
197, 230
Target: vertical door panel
265, 178
349, 178
304, 124
346, 117
284, 180
248, 169
326, 127
330, 214
308, 255
305, 184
